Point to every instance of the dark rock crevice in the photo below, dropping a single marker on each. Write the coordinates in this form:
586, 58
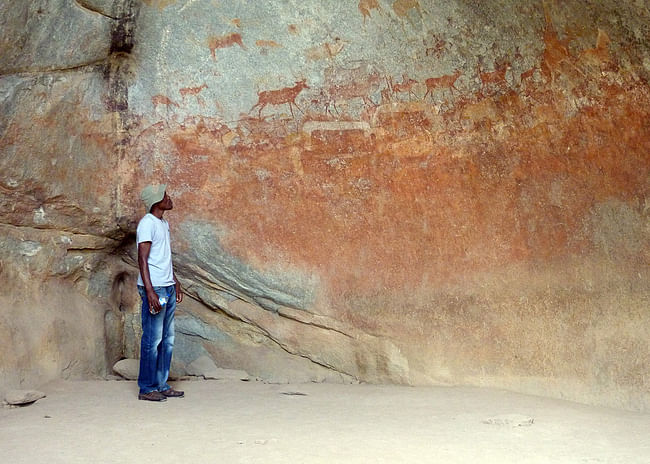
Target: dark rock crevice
117, 71
93, 9
123, 30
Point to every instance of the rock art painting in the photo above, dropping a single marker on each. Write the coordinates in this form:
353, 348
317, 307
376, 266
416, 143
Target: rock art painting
225, 41
366, 7
283, 96
408, 191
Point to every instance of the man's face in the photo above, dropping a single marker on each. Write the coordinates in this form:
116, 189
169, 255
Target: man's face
166, 203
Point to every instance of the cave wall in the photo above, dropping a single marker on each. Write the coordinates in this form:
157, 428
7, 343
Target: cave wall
398, 191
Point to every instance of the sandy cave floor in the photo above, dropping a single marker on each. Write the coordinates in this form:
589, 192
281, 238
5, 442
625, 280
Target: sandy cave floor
253, 422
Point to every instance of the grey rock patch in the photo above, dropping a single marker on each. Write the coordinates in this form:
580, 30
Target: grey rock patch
205, 367
510, 420
270, 290
23, 397
177, 370
127, 368
53, 35
201, 366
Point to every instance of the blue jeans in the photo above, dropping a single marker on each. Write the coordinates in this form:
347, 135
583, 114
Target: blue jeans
157, 341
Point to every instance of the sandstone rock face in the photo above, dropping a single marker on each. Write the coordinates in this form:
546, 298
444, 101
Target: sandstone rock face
58, 132
400, 191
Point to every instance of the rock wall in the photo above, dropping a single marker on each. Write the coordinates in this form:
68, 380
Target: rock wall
397, 191
59, 146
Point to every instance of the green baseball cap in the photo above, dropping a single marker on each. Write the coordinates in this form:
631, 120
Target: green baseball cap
152, 194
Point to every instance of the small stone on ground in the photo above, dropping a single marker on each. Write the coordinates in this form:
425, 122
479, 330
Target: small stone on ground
127, 368
23, 397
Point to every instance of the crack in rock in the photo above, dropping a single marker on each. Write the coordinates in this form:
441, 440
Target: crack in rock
85, 6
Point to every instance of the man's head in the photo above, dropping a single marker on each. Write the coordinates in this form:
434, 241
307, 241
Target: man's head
153, 194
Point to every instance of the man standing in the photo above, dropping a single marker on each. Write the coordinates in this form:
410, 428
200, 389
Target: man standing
160, 291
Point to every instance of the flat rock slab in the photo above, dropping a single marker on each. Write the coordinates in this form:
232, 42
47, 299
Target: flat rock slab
510, 420
23, 397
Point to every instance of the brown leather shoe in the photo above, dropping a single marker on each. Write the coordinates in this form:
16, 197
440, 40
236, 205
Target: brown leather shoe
152, 396
171, 393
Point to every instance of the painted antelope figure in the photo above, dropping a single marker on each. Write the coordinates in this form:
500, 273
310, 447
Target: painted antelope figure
365, 6
405, 86
402, 7
496, 77
224, 41
447, 81
192, 90
283, 96
346, 84
526, 76
162, 100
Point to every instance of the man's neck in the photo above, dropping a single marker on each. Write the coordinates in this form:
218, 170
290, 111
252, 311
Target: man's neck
158, 212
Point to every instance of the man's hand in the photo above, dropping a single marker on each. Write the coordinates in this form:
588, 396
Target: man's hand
179, 292
154, 303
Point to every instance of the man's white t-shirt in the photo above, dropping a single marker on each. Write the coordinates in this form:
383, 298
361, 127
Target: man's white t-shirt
154, 230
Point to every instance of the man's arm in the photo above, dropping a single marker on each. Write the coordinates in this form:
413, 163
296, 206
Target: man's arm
143, 256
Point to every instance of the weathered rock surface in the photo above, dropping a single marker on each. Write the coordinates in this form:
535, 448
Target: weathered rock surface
51, 35
399, 191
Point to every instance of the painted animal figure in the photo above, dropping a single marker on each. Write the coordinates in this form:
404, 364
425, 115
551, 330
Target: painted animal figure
406, 85
162, 100
192, 90
402, 7
283, 96
385, 95
365, 6
443, 82
524, 76
227, 40
346, 84
556, 51
600, 54
527, 76
496, 77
